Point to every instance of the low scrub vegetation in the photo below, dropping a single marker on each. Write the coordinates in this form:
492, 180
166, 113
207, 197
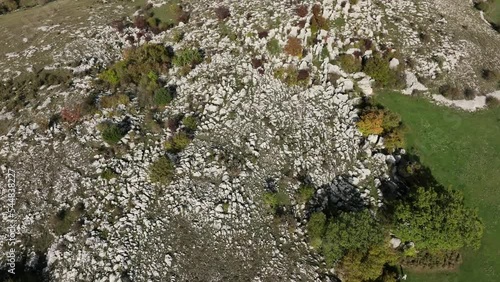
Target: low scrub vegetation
291, 76
140, 71
187, 59
162, 171
317, 23
273, 47
158, 19
277, 201
66, 219
378, 67
350, 63
449, 225
113, 101
111, 133
347, 232
305, 193
492, 102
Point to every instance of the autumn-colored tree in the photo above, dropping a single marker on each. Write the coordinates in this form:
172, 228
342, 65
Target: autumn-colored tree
371, 122
394, 139
293, 47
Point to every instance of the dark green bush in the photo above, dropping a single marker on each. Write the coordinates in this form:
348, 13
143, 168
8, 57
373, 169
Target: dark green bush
190, 122
187, 57
436, 219
163, 97
111, 133
137, 65
349, 231
108, 174
276, 200
273, 47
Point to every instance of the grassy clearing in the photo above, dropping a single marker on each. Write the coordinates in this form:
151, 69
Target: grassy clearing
491, 10
463, 151
167, 13
51, 27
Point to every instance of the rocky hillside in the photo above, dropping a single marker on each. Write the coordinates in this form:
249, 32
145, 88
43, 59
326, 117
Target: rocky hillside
192, 140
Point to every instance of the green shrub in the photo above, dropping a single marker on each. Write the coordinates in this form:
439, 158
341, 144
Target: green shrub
378, 68
108, 174
276, 200
187, 57
339, 23
177, 36
153, 22
425, 260
273, 47
349, 232
290, 76
349, 63
10, 5
111, 133
270, 200
490, 75
178, 143
162, 97
64, 220
162, 171
226, 31
190, 122
138, 63
305, 193
316, 227
390, 121
394, 139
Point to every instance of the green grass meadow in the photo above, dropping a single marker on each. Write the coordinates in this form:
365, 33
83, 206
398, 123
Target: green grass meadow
463, 151
491, 10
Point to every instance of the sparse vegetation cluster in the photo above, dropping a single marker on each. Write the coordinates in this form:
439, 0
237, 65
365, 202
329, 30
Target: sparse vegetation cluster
378, 67
158, 19
432, 221
16, 93
141, 69
292, 76
7, 6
